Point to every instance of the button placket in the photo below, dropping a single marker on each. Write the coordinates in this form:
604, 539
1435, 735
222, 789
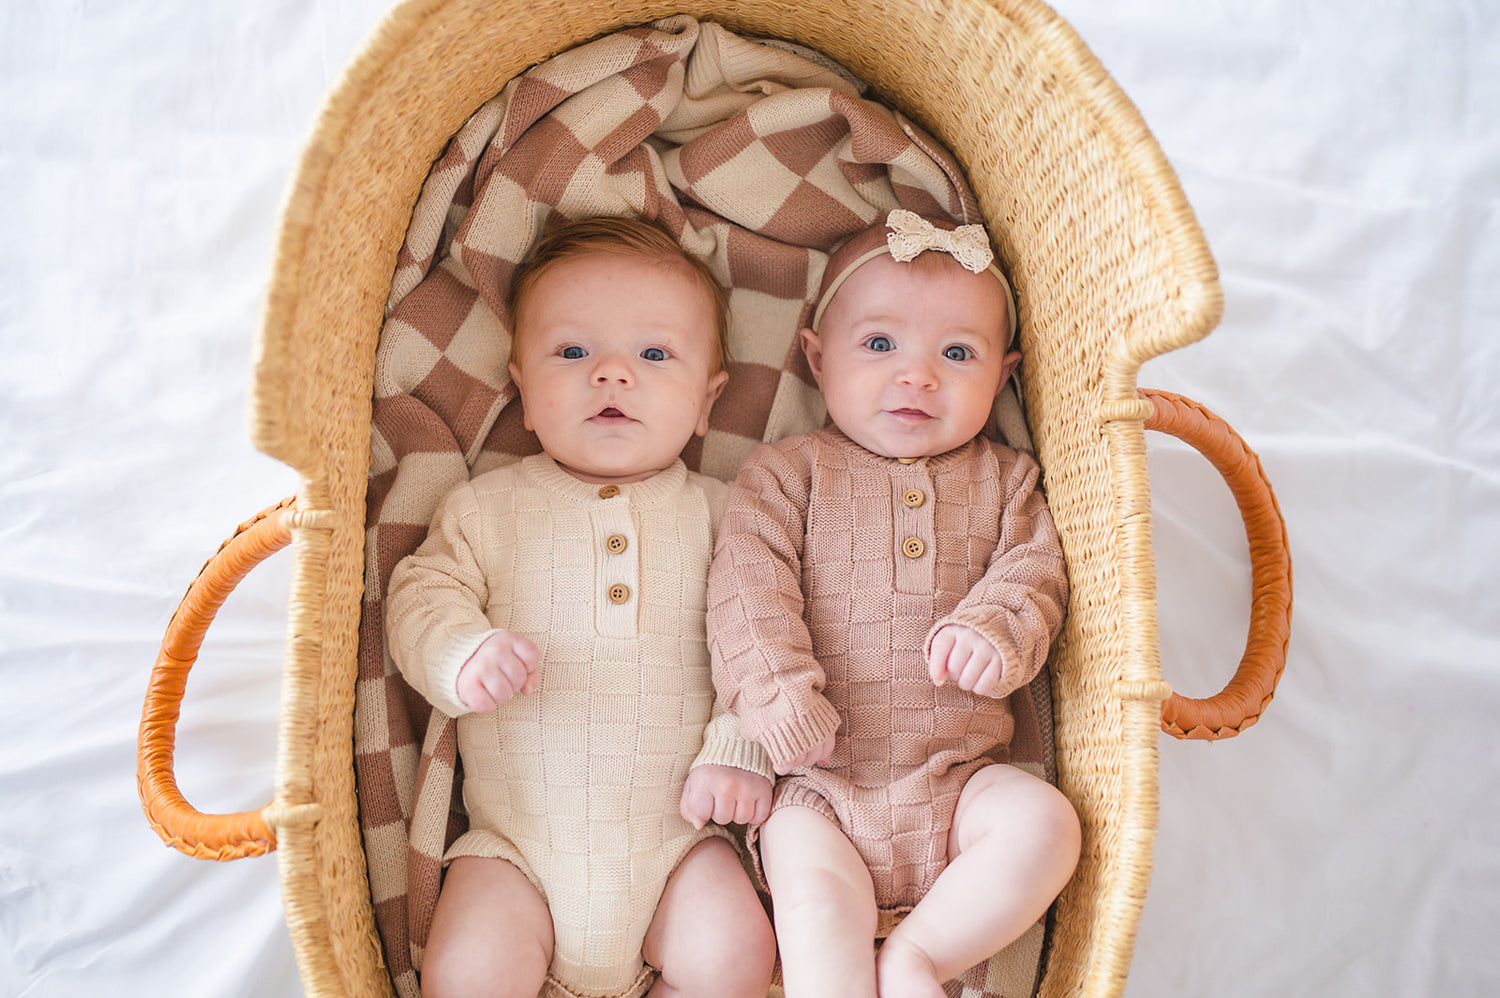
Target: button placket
911, 518
616, 565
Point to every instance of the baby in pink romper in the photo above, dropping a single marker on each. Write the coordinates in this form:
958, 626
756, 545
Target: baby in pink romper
878, 588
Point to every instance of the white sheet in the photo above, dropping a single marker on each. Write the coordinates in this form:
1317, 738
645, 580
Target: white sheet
1344, 160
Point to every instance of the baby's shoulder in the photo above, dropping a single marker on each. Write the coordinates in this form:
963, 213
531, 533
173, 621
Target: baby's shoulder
800, 450
1008, 459
712, 489
783, 466
506, 478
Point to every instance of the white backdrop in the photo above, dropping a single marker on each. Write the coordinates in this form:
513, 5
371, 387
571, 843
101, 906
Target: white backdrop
1344, 161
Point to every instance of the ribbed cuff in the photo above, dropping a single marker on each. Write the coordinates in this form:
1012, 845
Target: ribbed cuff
740, 753
442, 690
798, 733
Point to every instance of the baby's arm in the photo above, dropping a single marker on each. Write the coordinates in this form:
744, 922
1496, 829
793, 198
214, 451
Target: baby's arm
763, 666
996, 640
435, 608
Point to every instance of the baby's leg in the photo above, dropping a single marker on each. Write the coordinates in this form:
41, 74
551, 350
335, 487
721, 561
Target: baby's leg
491, 933
1013, 846
824, 903
710, 936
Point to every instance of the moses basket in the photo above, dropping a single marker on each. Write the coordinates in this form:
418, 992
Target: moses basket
1110, 269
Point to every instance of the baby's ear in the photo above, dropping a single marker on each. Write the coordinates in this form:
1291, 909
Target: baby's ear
515, 377
1007, 368
715, 389
812, 348
716, 385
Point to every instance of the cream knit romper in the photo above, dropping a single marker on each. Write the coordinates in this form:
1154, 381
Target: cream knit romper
577, 783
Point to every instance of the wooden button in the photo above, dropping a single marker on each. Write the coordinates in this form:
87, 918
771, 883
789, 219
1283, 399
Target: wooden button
906, 460
608, 491
913, 498
619, 593
615, 543
913, 547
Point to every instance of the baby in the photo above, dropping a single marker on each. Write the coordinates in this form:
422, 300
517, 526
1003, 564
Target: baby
878, 589
556, 609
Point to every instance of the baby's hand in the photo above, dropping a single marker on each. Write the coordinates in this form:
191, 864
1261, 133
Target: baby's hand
725, 795
815, 756
499, 669
963, 655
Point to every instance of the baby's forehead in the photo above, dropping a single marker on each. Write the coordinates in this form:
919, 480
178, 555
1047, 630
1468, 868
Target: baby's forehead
614, 260
915, 288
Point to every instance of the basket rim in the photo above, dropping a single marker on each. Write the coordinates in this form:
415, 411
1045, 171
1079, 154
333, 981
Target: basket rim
290, 405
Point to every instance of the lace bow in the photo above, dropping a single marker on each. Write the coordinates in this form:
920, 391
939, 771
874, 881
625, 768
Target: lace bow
912, 234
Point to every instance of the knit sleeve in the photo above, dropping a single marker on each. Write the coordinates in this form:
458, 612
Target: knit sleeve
435, 604
760, 648
1018, 604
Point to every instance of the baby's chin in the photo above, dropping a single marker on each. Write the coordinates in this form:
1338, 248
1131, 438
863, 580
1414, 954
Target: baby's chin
897, 449
597, 475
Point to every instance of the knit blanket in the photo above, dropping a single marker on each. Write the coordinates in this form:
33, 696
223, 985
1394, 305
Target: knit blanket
761, 157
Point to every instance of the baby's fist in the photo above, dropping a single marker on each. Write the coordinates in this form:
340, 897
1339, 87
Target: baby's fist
965, 656
504, 665
725, 795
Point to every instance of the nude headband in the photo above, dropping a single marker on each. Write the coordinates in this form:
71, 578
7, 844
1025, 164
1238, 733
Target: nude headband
906, 234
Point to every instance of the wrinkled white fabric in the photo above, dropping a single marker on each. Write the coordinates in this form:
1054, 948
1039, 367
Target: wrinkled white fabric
1344, 161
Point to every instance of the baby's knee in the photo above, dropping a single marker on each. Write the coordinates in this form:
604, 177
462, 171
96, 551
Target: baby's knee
1019, 809
491, 934
454, 971
821, 896
1058, 820
738, 965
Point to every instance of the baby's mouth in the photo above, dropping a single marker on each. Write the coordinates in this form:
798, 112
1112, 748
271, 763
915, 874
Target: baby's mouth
610, 414
907, 413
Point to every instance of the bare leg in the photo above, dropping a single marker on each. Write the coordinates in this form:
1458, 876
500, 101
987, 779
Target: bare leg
1013, 846
491, 933
824, 903
710, 936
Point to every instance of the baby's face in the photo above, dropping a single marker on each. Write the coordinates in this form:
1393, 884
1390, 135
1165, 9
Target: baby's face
616, 363
910, 360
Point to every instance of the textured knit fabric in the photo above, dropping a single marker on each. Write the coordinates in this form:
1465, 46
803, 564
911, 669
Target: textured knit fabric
833, 570
760, 157
578, 783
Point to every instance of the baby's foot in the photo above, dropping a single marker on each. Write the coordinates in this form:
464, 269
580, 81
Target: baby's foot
902, 970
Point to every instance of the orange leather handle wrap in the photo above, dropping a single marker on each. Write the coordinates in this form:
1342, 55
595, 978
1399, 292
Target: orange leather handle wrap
180, 825
1240, 703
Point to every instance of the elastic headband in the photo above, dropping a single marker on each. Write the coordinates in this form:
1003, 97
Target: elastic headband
909, 235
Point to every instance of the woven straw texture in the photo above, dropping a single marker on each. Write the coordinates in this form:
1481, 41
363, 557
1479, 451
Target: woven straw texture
1109, 267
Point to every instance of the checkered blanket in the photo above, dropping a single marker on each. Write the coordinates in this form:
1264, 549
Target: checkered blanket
760, 157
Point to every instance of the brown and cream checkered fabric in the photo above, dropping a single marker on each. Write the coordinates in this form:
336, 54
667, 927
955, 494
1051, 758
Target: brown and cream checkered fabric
760, 158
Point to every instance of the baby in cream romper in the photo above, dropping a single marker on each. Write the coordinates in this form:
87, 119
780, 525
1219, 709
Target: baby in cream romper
556, 609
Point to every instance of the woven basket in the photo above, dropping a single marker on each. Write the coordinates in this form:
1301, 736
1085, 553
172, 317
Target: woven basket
1110, 269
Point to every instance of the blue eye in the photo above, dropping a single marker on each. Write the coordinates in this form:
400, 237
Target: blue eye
654, 353
573, 353
880, 344
957, 353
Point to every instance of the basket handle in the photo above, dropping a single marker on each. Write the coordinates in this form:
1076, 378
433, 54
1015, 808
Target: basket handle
180, 825
1240, 703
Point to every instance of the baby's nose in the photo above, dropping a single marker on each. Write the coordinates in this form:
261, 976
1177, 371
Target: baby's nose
612, 369
919, 373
